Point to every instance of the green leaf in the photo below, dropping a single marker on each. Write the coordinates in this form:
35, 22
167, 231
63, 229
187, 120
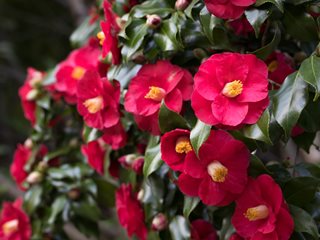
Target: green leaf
152, 159
277, 3
260, 130
190, 203
289, 101
81, 35
300, 25
90, 134
161, 8
32, 198
179, 228
266, 50
123, 72
169, 120
303, 222
256, 18
199, 134
257, 167
50, 77
188, 10
106, 193
56, 208
300, 190
208, 23
86, 208
310, 72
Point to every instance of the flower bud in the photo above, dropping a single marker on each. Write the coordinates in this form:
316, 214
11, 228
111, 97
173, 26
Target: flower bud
42, 166
200, 53
137, 165
139, 58
127, 160
32, 95
153, 21
74, 194
181, 4
34, 177
140, 195
159, 222
28, 143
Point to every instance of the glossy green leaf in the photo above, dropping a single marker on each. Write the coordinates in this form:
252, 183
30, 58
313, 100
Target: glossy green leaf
303, 222
208, 23
56, 208
169, 120
257, 167
106, 193
32, 198
179, 228
190, 203
188, 10
289, 101
123, 73
86, 208
277, 3
152, 159
310, 72
161, 8
90, 134
256, 18
300, 190
81, 35
260, 130
199, 134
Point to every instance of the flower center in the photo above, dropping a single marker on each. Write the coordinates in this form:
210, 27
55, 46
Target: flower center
36, 78
183, 145
233, 89
155, 93
101, 37
217, 171
10, 227
257, 213
273, 66
94, 105
78, 72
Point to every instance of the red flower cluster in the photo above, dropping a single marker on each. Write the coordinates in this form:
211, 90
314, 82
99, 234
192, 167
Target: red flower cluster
202, 230
261, 212
14, 223
154, 83
130, 212
228, 9
28, 92
231, 89
108, 37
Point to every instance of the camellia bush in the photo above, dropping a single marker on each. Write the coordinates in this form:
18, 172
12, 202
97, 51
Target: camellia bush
176, 114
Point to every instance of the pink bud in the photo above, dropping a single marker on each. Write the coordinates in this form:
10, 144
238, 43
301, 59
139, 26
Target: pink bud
137, 165
182, 4
159, 222
153, 21
34, 177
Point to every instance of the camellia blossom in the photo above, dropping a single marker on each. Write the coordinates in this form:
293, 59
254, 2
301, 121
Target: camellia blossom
95, 154
175, 148
108, 36
219, 176
74, 68
152, 84
98, 100
228, 9
202, 230
231, 89
14, 222
241, 27
236, 236
115, 136
261, 212
28, 93
130, 212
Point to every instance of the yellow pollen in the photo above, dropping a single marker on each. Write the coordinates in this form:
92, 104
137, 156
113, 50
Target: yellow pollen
101, 37
155, 93
233, 89
94, 105
273, 66
217, 171
78, 72
183, 145
257, 213
10, 227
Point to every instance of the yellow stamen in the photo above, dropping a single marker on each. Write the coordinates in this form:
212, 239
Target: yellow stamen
94, 105
78, 72
217, 171
155, 93
233, 89
273, 66
101, 37
183, 145
257, 213
10, 227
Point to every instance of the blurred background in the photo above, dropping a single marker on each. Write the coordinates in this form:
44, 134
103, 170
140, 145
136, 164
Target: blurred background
32, 33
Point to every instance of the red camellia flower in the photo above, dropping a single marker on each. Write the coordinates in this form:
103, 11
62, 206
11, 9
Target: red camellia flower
261, 212
28, 93
130, 212
219, 176
228, 9
14, 223
115, 136
98, 100
74, 68
241, 27
236, 236
202, 230
175, 148
108, 37
279, 67
95, 154
231, 89
154, 83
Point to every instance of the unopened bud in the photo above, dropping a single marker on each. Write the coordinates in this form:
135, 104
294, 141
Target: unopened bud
127, 160
42, 166
200, 53
137, 165
153, 21
140, 195
182, 4
74, 194
139, 58
34, 177
28, 143
32, 95
159, 222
